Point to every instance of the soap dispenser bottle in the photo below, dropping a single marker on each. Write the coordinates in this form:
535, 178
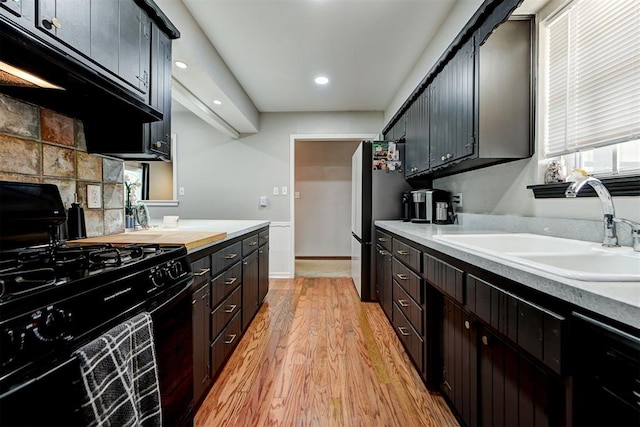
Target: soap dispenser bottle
76, 227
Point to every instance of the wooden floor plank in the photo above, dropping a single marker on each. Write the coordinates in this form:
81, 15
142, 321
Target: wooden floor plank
315, 355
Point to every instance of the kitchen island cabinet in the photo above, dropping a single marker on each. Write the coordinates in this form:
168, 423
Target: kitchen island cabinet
502, 338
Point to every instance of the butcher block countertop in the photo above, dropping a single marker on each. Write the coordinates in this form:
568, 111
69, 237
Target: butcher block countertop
194, 234
189, 238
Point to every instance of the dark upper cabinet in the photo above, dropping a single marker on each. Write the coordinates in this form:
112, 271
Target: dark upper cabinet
15, 7
68, 21
417, 136
115, 34
157, 135
451, 109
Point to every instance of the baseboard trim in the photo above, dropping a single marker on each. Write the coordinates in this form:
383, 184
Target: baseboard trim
324, 257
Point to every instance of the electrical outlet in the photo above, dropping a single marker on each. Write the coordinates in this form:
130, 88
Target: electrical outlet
181, 191
275, 191
94, 196
296, 194
284, 191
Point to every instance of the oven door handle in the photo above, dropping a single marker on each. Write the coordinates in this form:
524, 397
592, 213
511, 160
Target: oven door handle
175, 297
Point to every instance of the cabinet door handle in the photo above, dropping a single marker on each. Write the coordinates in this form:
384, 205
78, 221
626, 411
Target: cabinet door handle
231, 308
230, 281
202, 272
403, 331
53, 22
402, 252
401, 276
485, 340
231, 339
194, 302
467, 325
230, 256
381, 252
447, 384
403, 303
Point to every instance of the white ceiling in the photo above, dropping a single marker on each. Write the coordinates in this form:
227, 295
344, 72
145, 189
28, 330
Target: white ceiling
275, 48
262, 55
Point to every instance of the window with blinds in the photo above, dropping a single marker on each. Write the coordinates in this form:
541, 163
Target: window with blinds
592, 71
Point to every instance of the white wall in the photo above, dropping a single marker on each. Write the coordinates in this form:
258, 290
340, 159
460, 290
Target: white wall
224, 178
323, 211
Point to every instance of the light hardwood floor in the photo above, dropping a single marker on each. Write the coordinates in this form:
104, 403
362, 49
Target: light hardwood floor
315, 355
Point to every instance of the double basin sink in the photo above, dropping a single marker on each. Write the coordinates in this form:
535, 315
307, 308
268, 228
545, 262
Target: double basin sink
574, 259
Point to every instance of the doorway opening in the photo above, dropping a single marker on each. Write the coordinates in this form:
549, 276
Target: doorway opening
320, 203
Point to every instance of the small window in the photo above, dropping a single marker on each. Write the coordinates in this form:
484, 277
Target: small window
590, 81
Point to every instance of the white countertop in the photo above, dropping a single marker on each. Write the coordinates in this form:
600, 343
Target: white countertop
616, 300
233, 228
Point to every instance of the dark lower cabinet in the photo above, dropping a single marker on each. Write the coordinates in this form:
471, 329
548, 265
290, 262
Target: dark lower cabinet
460, 362
384, 281
250, 289
263, 272
489, 382
201, 332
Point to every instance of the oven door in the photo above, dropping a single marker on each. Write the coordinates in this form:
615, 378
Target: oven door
172, 333
53, 398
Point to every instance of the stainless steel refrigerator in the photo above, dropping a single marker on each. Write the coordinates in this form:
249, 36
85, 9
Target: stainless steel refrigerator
377, 183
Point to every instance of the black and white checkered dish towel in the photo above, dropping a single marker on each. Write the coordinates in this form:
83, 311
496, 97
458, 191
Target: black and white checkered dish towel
120, 377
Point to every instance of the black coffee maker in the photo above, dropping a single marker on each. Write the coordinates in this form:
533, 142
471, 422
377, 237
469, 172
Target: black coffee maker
407, 206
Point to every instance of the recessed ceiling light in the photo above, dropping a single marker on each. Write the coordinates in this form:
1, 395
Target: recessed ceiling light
321, 80
181, 64
217, 102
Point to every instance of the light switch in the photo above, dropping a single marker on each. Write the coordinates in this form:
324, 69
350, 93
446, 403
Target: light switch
296, 194
275, 191
181, 191
284, 191
264, 201
94, 196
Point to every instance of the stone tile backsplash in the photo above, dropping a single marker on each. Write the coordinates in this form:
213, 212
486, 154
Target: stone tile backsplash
42, 146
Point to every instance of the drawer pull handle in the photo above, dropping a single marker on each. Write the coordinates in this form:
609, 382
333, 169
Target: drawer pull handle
253, 243
231, 281
403, 331
403, 253
447, 384
401, 276
485, 340
403, 303
467, 325
194, 302
231, 339
231, 308
382, 252
202, 272
230, 256
382, 239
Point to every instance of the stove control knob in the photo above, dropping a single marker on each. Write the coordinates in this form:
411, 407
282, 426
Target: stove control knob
53, 325
175, 270
158, 276
10, 345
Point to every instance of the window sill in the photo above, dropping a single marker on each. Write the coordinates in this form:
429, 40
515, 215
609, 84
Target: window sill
618, 186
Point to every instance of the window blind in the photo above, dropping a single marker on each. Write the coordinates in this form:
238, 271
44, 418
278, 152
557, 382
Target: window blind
593, 75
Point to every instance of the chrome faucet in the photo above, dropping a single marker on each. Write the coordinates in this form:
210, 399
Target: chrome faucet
610, 239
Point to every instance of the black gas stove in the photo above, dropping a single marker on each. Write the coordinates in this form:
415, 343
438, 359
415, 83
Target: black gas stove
55, 297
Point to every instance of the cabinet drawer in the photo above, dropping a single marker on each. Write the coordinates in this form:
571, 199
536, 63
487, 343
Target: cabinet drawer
222, 347
249, 245
263, 237
225, 257
535, 329
225, 283
408, 255
383, 239
445, 277
411, 310
221, 315
411, 340
410, 281
201, 269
